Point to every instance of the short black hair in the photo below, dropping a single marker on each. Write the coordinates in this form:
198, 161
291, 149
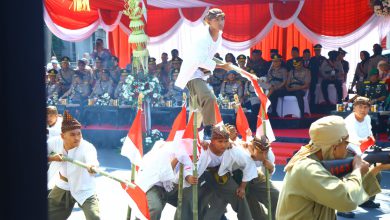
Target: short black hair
257, 51
164, 53
306, 51
295, 49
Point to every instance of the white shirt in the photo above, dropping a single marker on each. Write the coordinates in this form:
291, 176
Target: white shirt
55, 130
358, 130
81, 183
200, 54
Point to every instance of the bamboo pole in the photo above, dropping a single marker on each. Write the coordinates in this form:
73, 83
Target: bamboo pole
195, 171
98, 171
181, 171
267, 175
132, 178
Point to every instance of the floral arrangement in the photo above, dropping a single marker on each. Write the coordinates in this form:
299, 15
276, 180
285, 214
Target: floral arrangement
381, 7
148, 85
53, 100
149, 140
103, 100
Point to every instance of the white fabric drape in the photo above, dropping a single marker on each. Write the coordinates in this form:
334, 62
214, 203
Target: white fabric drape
287, 22
178, 3
68, 34
111, 27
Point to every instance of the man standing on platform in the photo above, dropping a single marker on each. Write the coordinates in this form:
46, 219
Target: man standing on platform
294, 55
75, 184
65, 75
197, 62
315, 63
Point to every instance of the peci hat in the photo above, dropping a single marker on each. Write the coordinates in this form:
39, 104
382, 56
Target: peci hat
151, 60
65, 59
342, 51
241, 57
52, 72
69, 123
317, 47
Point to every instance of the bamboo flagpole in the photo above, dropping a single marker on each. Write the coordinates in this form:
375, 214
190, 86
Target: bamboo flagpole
97, 171
195, 164
180, 186
132, 178
267, 175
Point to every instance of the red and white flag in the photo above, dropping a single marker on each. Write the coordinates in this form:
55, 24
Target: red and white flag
188, 138
265, 103
132, 149
218, 117
242, 123
132, 146
179, 125
138, 202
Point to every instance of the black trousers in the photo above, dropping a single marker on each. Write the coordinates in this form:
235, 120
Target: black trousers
337, 83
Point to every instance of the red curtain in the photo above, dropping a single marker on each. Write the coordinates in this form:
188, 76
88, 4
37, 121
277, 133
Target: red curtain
160, 20
334, 17
283, 39
193, 14
63, 15
240, 21
119, 46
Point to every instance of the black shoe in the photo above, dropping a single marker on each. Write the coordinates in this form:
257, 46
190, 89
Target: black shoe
346, 214
370, 204
207, 132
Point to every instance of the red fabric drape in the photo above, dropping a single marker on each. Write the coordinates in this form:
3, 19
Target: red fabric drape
283, 39
240, 20
108, 16
193, 14
284, 11
161, 20
334, 17
119, 46
63, 15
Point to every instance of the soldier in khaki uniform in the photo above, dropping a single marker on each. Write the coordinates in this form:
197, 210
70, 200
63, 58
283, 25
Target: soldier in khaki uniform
298, 82
309, 191
52, 86
103, 85
373, 89
97, 71
277, 78
231, 86
65, 75
118, 94
78, 92
115, 71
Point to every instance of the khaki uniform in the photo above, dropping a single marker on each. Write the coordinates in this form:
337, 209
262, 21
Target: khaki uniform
52, 88
309, 191
276, 78
230, 88
65, 78
78, 93
102, 87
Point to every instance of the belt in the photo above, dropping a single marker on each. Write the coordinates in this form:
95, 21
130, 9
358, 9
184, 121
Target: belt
63, 178
219, 179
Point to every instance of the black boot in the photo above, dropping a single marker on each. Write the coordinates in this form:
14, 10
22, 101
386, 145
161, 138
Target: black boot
207, 132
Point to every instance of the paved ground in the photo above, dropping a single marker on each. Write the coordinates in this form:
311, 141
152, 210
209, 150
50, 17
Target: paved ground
113, 205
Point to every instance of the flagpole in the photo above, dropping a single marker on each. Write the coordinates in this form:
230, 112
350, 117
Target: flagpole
267, 175
181, 170
98, 171
195, 164
132, 178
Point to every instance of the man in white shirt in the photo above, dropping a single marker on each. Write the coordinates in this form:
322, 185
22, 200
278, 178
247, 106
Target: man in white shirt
75, 184
197, 66
358, 124
216, 186
54, 121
